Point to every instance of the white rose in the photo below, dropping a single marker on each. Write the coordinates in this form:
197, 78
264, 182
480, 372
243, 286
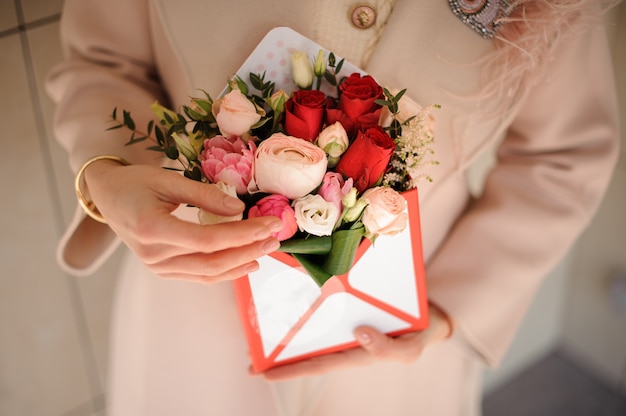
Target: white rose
334, 140
385, 212
315, 215
235, 114
302, 71
287, 166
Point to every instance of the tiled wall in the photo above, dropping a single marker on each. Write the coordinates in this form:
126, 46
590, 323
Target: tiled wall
54, 328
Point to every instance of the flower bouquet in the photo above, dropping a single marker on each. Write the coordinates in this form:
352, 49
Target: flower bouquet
311, 139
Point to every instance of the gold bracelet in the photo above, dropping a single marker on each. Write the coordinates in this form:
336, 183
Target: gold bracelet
87, 204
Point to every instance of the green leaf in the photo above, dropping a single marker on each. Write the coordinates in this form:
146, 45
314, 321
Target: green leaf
331, 59
382, 103
399, 95
195, 116
339, 65
114, 114
194, 173
134, 140
314, 270
117, 126
257, 81
330, 78
128, 120
159, 136
311, 245
171, 152
341, 256
156, 149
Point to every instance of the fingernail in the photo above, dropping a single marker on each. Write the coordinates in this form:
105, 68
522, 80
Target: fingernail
275, 225
271, 245
252, 267
364, 338
232, 203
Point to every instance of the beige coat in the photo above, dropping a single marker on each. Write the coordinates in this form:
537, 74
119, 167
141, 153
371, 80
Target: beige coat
178, 347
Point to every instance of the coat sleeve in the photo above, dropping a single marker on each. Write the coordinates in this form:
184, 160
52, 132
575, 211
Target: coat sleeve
552, 170
108, 63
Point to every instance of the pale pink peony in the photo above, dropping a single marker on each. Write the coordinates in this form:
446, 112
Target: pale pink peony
385, 212
287, 166
235, 114
277, 206
228, 160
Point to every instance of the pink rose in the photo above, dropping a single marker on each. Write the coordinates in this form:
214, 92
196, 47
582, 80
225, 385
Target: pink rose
228, 160
385, 212
277, 206
287, 166
334, 188
235, 114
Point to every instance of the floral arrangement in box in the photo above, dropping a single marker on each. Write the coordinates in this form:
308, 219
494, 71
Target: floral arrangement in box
332, 166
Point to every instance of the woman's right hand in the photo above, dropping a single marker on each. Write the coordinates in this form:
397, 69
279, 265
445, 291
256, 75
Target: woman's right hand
137, 202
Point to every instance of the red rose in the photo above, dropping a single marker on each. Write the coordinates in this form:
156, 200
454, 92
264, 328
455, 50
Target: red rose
357, 103
304, 113
367, 158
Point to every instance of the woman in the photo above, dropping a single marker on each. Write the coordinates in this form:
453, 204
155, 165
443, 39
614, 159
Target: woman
532, 79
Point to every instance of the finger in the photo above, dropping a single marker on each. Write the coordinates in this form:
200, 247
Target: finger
217, 263
205, 238
202, 195
406, 348
231, 274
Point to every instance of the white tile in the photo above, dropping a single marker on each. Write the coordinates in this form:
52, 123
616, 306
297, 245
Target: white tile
96, 291
42, 368
8, 19
39, 9
46, 53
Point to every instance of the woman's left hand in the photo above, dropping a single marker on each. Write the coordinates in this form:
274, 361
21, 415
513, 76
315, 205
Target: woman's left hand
375, 346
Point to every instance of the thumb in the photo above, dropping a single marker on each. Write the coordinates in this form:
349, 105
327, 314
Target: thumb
374, 341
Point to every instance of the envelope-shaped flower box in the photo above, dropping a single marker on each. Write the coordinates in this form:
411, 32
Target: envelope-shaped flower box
287, 317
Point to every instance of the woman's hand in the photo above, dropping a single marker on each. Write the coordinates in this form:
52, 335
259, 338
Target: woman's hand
375, 346
137, 202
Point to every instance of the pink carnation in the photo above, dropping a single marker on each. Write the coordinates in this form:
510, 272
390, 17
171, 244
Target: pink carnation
228, 160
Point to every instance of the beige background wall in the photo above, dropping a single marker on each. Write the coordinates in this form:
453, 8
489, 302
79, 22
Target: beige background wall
572, 310
54, 328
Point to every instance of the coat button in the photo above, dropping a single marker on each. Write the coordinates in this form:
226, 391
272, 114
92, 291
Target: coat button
363, 16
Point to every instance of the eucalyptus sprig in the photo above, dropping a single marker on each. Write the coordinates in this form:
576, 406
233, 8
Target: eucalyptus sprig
392, 103
332, 69
166, 139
